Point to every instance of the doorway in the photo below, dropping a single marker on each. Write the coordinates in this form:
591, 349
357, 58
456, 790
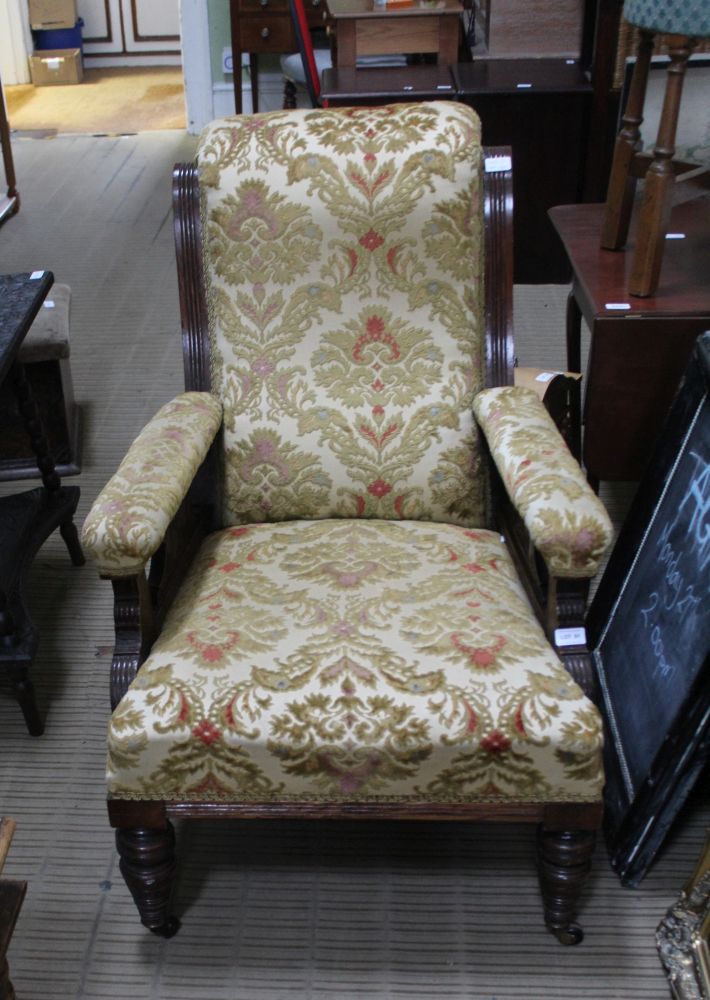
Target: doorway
185, 45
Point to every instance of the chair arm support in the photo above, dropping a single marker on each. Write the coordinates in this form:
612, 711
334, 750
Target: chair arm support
129, 519
567, 522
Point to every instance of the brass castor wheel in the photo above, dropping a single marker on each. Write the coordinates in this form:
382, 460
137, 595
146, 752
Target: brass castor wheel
571, 934
168, 929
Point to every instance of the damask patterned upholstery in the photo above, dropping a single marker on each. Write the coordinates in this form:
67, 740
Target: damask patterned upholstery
346, 311
129, 518
567, 522
353, 659
353, 630
673, 17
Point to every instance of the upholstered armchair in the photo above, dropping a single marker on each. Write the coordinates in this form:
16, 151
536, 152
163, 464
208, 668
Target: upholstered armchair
316, 613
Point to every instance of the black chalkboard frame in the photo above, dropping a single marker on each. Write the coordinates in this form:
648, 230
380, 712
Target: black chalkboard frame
638, 814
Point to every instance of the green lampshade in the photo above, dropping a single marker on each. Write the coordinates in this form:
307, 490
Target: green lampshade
671, 17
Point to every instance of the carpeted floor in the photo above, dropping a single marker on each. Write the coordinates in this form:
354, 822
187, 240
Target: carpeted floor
326, 911
111, 101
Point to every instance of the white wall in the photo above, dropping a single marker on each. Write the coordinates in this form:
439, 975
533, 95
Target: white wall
15, 42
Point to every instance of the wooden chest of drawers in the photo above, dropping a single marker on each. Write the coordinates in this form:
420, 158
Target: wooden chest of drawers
259, 26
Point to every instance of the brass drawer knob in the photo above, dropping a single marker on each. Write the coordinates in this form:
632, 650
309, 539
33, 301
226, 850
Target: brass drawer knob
265, 32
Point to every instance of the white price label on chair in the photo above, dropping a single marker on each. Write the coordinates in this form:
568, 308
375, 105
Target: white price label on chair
494, 163
570, 637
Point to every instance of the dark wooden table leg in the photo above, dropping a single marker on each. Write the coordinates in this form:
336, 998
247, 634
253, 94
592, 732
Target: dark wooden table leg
254, 77
574, 364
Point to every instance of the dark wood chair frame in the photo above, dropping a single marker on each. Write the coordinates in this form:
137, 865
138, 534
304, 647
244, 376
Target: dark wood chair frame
144, 836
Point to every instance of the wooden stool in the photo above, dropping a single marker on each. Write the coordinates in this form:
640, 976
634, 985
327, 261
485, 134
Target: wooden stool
685, 23
45, 355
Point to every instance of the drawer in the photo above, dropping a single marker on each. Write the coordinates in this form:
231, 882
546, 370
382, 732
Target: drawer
263, 7
267, 34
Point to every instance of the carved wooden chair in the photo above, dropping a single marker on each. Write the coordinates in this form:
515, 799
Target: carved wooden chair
316, 614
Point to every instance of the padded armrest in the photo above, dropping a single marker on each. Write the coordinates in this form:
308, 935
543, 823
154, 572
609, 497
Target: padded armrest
129, 518
566, 520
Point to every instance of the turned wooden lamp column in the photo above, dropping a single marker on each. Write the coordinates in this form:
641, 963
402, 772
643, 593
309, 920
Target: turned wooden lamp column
685, 21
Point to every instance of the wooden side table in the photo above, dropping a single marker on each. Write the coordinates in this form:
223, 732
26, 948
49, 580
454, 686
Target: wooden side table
263, 26
11, 897
639, 346
27, 519
363, 28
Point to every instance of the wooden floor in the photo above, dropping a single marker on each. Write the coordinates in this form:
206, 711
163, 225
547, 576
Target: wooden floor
340, 911
111, 101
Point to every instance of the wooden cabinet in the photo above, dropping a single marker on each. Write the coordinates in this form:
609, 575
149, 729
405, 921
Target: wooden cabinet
539, 107
260, 26
130, 27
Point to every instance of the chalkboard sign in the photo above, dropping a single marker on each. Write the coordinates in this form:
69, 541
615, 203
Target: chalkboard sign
649, 628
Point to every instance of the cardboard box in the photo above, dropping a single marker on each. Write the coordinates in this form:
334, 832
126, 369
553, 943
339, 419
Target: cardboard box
56, 66
52, 13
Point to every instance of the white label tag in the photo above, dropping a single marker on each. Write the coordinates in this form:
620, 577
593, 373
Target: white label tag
675, 236
35, 275
49, 304
570, 637
523, 86
617, 305
494, 163
53, 63
546, 376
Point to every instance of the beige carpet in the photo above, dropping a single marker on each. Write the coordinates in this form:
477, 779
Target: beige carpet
111, 101
339, 911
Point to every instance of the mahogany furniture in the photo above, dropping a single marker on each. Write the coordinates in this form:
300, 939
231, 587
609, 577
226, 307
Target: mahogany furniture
684, 24
9, 198
348, 85
363, 28
263, 26
142, 812
541, 108
27, 519
12, 894
639, 347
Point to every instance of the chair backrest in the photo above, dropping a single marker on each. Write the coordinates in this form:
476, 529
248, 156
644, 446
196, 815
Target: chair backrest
343, 266
305, 48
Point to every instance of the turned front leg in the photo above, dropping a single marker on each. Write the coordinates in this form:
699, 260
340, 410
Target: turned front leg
148, 867
564, 861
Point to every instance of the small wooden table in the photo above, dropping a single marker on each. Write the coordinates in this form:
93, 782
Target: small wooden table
640, 346
11, 897
365, 29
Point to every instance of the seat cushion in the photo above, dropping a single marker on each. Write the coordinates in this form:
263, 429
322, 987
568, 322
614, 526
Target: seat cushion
343, 264
354, 660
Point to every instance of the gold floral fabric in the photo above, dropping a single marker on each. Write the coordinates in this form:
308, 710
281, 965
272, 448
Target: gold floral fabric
566, 520
128, 520
363, 660
343, 267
